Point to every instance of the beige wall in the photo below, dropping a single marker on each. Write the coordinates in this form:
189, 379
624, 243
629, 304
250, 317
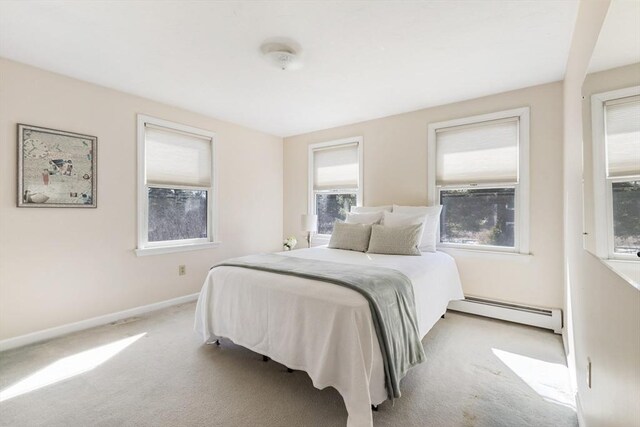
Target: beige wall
603, 81
602, 310
64, 265
395, 171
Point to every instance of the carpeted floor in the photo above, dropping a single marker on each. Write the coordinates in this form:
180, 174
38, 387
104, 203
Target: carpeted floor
153, 371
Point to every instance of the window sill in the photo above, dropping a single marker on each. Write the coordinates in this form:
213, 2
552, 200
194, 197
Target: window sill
159, 250
487, 253
627, 269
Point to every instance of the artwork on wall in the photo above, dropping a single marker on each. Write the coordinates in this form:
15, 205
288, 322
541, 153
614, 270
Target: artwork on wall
56, 169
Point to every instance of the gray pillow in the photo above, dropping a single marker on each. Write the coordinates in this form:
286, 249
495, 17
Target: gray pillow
403, 240
352, 237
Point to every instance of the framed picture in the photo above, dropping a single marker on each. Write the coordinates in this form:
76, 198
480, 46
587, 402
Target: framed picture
56, 169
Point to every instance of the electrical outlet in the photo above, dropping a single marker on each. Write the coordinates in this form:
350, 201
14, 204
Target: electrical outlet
589, 372
182, 270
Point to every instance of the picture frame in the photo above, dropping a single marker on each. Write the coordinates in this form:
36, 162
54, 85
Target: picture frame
56, 169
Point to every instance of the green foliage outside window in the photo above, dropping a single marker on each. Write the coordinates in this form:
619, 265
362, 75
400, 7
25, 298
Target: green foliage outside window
478, 216
626, 216
332, 207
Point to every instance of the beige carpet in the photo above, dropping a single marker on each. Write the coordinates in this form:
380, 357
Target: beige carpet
479, 372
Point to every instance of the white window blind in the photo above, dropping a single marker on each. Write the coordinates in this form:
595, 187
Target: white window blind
177, 158
478, 153
335, 167
622, 121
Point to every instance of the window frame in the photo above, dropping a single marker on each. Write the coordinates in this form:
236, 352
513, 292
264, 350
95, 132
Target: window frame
521, 202
602, 185
168, 246
311, 207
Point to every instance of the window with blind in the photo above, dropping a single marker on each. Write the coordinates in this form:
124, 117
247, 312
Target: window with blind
478, 172
616, 143
335, 180
176, 169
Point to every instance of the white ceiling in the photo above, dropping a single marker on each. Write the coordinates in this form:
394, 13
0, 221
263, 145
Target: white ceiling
362, 59
619, 40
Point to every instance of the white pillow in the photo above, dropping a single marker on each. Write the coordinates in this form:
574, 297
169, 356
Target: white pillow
401, 219
369, 209
364, 218
431, 223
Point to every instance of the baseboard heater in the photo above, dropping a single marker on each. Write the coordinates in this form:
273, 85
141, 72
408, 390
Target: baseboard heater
548, 318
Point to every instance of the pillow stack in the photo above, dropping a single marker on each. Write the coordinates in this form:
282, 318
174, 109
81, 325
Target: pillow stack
428, 215
394, 230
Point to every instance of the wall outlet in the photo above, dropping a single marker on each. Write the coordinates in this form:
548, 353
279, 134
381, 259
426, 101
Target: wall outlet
182, 270
589, 372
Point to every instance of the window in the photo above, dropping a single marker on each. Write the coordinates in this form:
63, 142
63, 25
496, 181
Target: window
616, 149
175, 187
335, 180
478, 171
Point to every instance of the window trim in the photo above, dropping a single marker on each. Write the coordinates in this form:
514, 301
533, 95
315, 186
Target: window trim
521, 203
603, 186
169, 246
311, 193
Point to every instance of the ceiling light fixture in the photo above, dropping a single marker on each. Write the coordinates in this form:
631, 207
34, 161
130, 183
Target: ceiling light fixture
282, 54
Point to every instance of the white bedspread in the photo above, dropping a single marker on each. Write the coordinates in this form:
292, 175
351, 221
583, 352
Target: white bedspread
321, 328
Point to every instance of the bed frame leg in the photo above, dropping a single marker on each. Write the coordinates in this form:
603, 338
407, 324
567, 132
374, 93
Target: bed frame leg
289, 370
374, 408
217, 342
442, 317
265, 358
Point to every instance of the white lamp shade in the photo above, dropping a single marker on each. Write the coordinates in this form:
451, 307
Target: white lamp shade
309, 223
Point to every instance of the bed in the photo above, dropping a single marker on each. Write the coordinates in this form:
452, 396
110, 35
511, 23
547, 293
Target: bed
321, 328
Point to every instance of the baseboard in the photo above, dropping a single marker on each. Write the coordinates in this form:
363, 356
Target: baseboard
47, 334
548, 318
581, 422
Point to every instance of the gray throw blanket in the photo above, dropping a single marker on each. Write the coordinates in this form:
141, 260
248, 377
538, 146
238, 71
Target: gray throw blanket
390, 297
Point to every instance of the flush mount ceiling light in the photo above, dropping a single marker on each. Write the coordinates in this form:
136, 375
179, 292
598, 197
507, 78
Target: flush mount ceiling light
283, 55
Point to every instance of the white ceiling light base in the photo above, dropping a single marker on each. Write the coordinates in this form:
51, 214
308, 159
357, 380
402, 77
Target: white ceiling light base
282, 55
